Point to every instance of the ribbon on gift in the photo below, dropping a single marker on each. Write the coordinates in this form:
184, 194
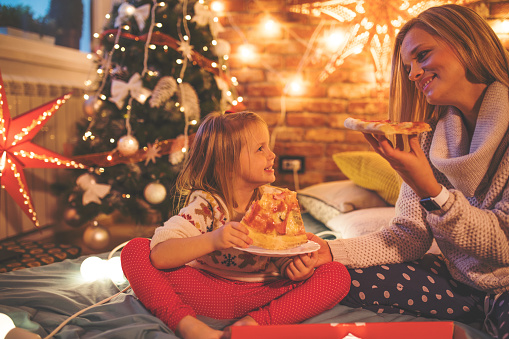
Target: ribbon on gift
140, 14
94, 192
120, 90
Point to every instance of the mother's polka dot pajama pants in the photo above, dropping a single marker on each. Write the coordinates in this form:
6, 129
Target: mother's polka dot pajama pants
425, 288
185, 291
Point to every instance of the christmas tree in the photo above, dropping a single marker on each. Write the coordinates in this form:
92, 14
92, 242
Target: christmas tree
160, 69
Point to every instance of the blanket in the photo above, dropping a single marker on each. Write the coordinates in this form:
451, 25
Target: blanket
41, 298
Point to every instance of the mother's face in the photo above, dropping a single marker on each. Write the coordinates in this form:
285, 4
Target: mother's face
434, 67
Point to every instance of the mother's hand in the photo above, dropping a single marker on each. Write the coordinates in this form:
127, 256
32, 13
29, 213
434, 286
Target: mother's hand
412, 166
324, 254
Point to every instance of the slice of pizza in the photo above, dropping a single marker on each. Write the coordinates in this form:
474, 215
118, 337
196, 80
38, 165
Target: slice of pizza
274, 222
386, 126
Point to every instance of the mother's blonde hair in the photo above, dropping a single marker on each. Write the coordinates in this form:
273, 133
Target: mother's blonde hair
475, 43
214, 155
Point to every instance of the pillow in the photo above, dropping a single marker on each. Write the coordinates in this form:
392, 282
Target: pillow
361, 222
371, 171
326, 200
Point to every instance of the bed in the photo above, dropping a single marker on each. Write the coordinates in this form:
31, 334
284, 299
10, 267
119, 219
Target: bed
40, 299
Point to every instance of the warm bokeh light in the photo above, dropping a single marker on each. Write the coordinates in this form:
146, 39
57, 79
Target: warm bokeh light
333, 39
217, 6
247, 52
295, 87
270, 27
501, 26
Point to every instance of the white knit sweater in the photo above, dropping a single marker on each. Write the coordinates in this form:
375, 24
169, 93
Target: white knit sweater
472, 229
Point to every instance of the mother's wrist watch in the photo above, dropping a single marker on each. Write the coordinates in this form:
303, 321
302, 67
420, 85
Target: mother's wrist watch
435, 203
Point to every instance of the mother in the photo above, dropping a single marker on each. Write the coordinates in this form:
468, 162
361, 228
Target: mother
451, 70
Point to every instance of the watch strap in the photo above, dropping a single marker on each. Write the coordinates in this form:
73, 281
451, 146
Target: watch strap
436, 203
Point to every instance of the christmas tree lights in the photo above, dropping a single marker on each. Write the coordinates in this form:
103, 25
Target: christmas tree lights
159, 69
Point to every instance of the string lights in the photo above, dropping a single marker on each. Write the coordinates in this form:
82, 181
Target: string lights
18, 152
373, 25
204, 14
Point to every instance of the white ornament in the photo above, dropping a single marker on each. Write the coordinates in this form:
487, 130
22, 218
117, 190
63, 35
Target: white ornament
164, 90
176, 158
127, 10
215, 28
152, 153
120, 90
222, 48
154, 193
127, 145
223, 86
186, 49
94, 192
202, 15
189, 101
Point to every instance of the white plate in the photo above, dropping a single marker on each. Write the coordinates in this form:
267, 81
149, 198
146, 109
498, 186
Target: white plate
308, 247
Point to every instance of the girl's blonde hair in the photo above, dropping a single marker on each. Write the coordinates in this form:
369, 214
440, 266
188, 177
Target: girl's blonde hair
476, 45
213, 158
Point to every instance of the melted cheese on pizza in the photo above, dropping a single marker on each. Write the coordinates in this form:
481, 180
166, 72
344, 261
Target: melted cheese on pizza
276, 213
275, 222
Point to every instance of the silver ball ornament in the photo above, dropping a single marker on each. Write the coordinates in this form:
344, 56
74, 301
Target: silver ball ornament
127, 145
96, 236
92, 105
154, 193
72, 217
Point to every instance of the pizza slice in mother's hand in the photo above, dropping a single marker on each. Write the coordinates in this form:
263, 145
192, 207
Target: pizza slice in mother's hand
388, 128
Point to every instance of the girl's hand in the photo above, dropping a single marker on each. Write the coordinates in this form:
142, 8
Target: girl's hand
232, 234
412, 166
324, 254
302, 266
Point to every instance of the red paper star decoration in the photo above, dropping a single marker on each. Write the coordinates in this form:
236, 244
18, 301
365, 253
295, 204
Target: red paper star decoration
18, 152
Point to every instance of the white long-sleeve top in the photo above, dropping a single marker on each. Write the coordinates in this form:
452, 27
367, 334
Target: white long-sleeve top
205, 213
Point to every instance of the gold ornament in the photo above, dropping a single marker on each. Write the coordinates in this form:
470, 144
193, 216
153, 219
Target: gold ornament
96, 236
92, 105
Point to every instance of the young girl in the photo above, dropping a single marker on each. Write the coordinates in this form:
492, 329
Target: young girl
189, 267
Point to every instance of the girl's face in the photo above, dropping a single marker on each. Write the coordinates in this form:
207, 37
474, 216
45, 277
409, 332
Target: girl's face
256, 158
434, 67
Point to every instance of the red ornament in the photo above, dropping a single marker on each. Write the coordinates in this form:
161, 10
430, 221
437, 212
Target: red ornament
18, 152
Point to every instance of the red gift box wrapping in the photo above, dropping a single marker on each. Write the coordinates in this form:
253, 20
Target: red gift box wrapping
388, 330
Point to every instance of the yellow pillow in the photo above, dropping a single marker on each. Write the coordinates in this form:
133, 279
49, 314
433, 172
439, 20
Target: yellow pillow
371, 171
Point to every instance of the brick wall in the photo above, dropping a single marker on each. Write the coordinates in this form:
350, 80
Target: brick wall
311, 124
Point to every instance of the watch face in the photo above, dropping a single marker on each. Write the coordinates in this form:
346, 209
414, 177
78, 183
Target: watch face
429, 204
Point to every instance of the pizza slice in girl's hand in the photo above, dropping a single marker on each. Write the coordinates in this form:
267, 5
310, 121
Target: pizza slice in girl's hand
274, 222
386, 126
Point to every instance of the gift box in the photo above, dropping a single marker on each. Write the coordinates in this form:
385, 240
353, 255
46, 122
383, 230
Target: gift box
388, 330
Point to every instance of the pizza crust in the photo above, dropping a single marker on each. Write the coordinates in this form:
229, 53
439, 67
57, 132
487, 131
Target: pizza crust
386, 126
275, 241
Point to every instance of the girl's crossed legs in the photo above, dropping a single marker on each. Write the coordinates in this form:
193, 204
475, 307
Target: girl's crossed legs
173, 294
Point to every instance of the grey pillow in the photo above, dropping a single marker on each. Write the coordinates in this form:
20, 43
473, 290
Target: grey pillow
327, 200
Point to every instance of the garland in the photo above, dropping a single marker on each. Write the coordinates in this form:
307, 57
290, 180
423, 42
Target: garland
162, 39
108, 159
